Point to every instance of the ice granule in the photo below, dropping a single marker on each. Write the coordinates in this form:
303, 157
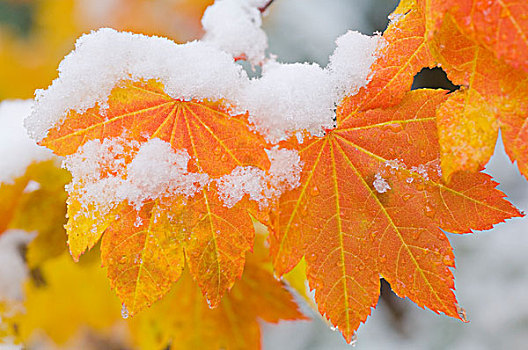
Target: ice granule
380, 184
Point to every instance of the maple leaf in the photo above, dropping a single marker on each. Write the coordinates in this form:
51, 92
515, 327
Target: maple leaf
494, 92
80, 294
404, 54
371, 203
36, 202
144, 245
499, 26
232, 325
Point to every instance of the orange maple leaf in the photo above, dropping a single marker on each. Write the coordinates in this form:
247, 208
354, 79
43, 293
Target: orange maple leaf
144, 246
499, 26
483, 47
371, 204
232, 325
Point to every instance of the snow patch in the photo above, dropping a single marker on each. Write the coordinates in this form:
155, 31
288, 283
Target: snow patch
234, 27
289, 98
101, 59
284, 174
380, 184
17, 150
102, 178
107, 173
349, 65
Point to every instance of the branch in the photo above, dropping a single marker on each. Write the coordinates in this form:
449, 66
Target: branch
265, 7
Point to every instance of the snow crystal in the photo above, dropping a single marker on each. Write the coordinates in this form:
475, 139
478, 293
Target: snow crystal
12, 266
101, 177
234, 26
289, 98
350, 63
285, 169
421, 170
17, 150
284, 174
395, 164
380, 184
241, 181
158, 170
103, 58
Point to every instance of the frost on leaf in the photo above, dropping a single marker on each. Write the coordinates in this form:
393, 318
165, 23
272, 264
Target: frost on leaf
351, 228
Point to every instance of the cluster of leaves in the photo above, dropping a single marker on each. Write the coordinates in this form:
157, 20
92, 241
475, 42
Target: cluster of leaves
427, 146
80, 293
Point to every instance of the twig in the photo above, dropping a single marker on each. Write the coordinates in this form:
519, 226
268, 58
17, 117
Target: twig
265, 7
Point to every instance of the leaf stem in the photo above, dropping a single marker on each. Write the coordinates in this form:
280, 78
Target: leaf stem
263, 9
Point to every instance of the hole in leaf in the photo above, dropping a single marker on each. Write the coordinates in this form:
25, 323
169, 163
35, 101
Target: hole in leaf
434, 78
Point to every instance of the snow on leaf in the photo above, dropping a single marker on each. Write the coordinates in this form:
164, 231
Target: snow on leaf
102, 148
403, 54
351, 233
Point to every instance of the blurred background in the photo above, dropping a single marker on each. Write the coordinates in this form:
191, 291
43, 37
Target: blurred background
492, 268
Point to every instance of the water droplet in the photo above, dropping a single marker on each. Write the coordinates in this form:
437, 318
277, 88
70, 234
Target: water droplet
406, 197
383, 258
124, 311
395, 127
122, 259
429, 210
314, 191
423, 153
447, 260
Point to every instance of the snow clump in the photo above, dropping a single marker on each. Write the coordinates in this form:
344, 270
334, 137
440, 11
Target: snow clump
234, 26
104, 58
288, 100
